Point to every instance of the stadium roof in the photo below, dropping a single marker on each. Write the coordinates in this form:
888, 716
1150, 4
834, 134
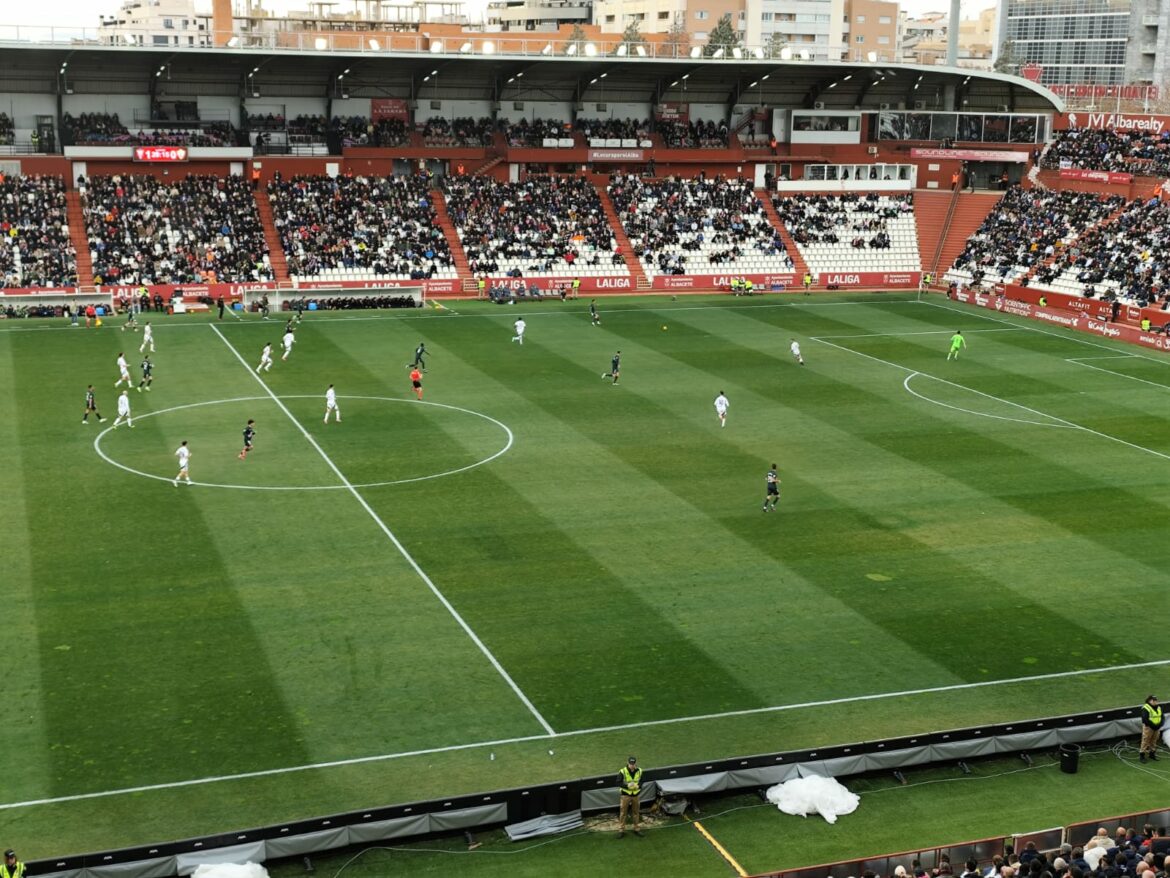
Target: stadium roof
89, 69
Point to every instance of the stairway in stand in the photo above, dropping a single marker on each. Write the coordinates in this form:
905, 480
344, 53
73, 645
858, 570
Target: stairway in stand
641, 282
800, 267
930, 210
458, 256
271, 237
77, 235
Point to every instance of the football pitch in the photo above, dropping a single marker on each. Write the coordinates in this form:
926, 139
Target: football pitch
531, 572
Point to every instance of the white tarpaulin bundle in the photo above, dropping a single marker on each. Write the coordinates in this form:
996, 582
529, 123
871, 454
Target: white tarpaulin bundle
813, 795
230, 870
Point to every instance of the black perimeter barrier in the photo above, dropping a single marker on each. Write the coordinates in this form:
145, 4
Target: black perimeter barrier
501, 807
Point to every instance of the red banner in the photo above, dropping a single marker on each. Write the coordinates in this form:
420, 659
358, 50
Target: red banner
389, 108
1116, 121
1089, 90
671, 112
616, 284
160, 153
1097, 176
1079, 321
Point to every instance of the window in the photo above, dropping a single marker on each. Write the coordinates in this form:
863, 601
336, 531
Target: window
860, 19
663, 16
860, 38
883, 41
641, 16
702, 15
699, 35
884, 19
169, 23
160, 40
186, 24
765, 16
609, 19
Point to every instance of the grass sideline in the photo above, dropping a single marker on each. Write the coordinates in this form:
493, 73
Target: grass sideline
950, 535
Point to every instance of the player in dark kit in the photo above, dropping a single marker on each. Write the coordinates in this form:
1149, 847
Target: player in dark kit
593, 315
91, 406
147, 374
773, 490
419, 353
615, 368
249, 435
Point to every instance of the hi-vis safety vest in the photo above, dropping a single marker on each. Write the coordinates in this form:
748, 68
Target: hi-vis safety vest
631, 782
1154, 714
15, 872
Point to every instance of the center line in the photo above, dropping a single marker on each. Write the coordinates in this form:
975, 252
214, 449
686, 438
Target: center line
393, 539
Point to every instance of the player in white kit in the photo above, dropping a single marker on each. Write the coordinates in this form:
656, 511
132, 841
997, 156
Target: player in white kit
520, 327
123, 370
124, 410
287, 341
795, 348
721, 406
184, 455
147, 338
265, 359
331, 405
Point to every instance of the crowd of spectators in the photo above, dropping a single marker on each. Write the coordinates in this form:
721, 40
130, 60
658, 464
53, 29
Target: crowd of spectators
266, 122
1025, 228
693, 135
860, 220
463, 131
351, 130
363, 226
35, 249
1141, 153
1125, 259
534, 132
696, 225
610, 129
544, 225
105, 129
7, 131
195, 229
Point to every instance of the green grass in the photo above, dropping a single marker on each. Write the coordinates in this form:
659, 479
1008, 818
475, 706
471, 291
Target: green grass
989, 521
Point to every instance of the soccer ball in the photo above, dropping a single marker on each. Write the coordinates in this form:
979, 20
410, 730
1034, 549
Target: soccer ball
664, 327
99, 321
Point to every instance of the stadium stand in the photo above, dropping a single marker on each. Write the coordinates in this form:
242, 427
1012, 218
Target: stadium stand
1121, 259
198, 229
533, 133
350, 130
359, 228
1027, 227
543, 226
7, 130
693, 135
463, 131
853, 232
1133, 152
35, 250
698, 226
105, 129
614, 129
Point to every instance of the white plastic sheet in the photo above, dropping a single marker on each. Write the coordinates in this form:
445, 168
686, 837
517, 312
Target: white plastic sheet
813, 795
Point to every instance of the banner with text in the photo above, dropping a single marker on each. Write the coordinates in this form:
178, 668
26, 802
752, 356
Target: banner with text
1117, 121
388, 108
969, 155
1095, 176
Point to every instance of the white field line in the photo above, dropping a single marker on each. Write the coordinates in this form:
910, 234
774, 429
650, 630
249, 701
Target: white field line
1081, 362
393, 539
996, 398
511, 314
913, 392
623, 727
923, 332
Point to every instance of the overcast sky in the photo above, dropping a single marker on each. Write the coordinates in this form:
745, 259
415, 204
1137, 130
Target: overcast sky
84, 13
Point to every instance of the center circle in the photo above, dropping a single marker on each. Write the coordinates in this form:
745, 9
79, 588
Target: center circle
508, 440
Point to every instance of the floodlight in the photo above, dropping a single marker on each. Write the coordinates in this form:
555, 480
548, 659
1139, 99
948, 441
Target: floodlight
786, 54
375, 46
641, 50
436, 47
320, 44
871, 57
572, 50
547, 50
804, 55
621, 51
758, 53
232, 43
718, 53
737, 53
696, 52
590, 49
488, 47
465, 48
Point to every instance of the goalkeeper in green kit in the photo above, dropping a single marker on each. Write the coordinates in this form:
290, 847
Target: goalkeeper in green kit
957, 344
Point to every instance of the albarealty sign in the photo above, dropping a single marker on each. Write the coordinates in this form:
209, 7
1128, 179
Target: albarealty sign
160, 153
1118, 122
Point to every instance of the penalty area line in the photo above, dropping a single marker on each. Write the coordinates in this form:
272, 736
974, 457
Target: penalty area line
442, 598
575, 733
